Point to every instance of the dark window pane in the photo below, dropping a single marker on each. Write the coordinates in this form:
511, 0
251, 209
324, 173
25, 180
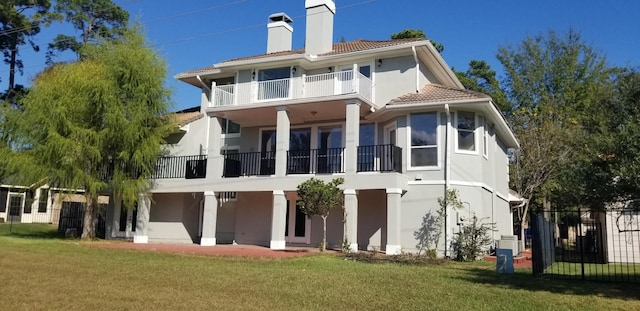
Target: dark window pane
424, 156
301, 223
42, 201
233, 128
466, 120
365, 71
367, 134
423, 129
466, 141
4, 194
275, 73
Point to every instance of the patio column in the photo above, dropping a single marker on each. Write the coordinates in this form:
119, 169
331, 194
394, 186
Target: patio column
351, 215
394, 245
283, 130
352, 137
214, 158
142, 221
209, 219
278, 221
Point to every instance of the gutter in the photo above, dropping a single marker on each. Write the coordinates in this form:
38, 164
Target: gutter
415, 57
203, 84
447, 178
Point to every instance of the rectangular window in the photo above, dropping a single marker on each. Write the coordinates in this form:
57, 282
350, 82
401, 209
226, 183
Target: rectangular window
4, 195
424, 139
42, 200
28, 202
229, 127
466, 126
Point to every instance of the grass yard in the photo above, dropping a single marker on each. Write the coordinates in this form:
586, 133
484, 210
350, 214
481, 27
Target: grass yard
39, 272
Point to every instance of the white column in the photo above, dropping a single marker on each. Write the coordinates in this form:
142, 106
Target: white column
142, 223
352, 137
351, 214
394, 245
214, 158
209, 219
278, 220
283, 130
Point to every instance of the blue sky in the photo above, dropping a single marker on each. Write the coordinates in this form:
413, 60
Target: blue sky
192, 34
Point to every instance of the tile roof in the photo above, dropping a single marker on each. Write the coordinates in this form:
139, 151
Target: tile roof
338, 48
184, 118
437, 93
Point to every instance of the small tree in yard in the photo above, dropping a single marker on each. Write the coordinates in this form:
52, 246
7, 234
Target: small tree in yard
317, 198
472, 240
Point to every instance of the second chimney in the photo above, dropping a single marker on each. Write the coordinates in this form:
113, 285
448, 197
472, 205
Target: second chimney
319, 36
279, 33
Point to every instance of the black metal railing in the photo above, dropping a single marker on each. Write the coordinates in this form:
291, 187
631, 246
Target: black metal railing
188, 167
249, 164
379, 158
315, 161
587, 245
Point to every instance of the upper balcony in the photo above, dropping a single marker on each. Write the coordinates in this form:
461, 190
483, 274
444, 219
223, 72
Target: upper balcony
302, 87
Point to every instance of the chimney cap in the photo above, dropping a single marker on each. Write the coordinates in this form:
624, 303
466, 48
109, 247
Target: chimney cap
280, 17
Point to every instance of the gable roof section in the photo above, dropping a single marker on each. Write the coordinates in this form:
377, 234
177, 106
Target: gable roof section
432, 93
338, 48
186, 116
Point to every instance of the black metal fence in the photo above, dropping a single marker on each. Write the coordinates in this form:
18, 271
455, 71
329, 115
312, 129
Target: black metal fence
379, 158
188, 167
587, 245
315, 161
249, 164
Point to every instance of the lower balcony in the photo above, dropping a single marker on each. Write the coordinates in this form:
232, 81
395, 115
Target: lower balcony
376, 158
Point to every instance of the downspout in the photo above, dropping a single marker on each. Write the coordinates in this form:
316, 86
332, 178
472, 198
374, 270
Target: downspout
447, 177
206, 87
415, 57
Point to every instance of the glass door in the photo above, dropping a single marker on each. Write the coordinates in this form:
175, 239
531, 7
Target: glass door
298, 225
299, 160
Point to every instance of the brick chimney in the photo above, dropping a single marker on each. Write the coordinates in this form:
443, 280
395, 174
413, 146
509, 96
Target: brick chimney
279, 33
319, 35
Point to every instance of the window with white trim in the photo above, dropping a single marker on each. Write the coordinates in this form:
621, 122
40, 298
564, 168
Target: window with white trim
466, 127
230, 128
424, 139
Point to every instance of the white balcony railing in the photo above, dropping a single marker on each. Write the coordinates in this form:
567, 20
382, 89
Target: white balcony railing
312, 86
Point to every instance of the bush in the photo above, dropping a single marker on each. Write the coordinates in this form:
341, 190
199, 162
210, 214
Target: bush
472, 241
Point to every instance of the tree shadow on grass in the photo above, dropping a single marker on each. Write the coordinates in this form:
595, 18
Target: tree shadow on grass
30, 231
526, 281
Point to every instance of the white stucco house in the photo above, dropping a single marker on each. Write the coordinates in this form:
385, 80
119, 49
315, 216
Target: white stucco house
390, 117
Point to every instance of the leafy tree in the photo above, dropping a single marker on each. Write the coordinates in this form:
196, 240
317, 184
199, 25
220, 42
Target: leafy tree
95, 20
416, 33
98, 124
481, 78
550, 81
317, 198
20, 21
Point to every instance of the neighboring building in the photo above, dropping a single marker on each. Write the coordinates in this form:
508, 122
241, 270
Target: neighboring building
20, 204
390, 117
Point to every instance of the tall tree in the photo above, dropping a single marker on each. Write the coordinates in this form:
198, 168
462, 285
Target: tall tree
550, 80
20, 21
317, 198
98, 124
95, 20
416, 33
481, 78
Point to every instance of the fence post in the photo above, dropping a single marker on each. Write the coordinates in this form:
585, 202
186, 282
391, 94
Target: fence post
581, 243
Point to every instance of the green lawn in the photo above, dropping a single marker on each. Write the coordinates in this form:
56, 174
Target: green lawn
38, 271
